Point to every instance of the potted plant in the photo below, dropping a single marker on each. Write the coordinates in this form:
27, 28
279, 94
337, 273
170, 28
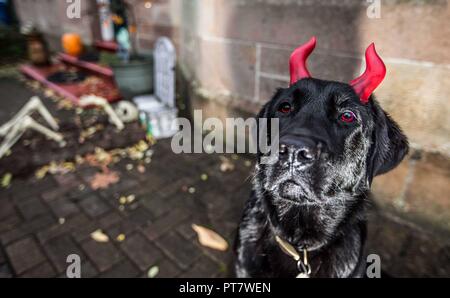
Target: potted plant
133, 72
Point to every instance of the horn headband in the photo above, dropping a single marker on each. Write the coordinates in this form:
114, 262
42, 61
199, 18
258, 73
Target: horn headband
363, 85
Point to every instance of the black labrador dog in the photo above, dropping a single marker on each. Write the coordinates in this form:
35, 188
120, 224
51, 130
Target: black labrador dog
306, 216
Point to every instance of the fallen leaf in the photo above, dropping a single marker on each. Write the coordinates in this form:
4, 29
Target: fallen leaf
226, 164
99, 236
61, 220
6, 180
104, 180
42, 172
100, 158
120, 237
153, 272
131, 198
122, 200
141, 169
89, 132
61, 168
204, 177
209, 238
49, 92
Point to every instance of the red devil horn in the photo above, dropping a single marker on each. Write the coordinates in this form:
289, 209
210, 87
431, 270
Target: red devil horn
297, 63
372, 76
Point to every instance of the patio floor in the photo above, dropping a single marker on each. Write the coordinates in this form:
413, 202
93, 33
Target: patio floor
42, 221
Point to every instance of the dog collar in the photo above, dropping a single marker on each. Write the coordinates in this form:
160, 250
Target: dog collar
303, 265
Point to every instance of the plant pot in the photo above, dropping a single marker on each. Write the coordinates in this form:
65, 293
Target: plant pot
134, 77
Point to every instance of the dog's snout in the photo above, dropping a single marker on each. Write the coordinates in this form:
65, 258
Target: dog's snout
302, 149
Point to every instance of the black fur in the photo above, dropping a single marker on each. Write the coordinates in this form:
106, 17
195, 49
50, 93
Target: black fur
317, 202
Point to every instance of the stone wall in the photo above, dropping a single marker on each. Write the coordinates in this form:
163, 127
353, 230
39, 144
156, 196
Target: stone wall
50, 16
234, 54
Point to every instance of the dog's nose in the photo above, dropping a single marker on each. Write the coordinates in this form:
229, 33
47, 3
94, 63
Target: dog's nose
303, 149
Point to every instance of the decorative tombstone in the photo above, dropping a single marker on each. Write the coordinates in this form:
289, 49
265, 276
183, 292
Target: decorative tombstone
158, 112
164, 61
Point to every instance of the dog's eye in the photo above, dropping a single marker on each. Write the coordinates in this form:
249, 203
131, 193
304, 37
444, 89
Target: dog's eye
347, 117
285, 108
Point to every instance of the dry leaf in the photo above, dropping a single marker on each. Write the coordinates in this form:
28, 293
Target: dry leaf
120, 237
99, 159
141, 169
122, 200
153, 272
226, 164
209, 238
103, 180
99, 236
6, 180
131, 198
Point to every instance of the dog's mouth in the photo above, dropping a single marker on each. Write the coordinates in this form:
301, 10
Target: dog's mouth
292, 191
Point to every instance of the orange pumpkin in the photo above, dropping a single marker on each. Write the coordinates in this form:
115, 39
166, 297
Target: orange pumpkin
72, 44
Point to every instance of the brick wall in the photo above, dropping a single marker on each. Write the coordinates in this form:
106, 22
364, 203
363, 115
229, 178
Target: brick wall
234, 53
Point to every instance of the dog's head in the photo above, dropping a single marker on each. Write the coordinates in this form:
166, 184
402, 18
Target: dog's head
334, 138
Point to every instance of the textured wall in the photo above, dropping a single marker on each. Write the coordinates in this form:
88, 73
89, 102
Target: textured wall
50, 17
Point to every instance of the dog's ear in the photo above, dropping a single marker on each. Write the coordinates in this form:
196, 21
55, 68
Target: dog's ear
389, 144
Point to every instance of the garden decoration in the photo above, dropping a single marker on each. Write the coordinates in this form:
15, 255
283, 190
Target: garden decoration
16, 127
92, 100
37, 47
106, 24
158, 112
126, 111
133, 72
72, 44
123, 40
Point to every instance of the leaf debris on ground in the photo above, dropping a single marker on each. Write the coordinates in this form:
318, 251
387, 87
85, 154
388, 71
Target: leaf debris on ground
226, 164
104, 180
99, 236
153, 272
6, 180
209, 238
54, 168
120, 237
123, 200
